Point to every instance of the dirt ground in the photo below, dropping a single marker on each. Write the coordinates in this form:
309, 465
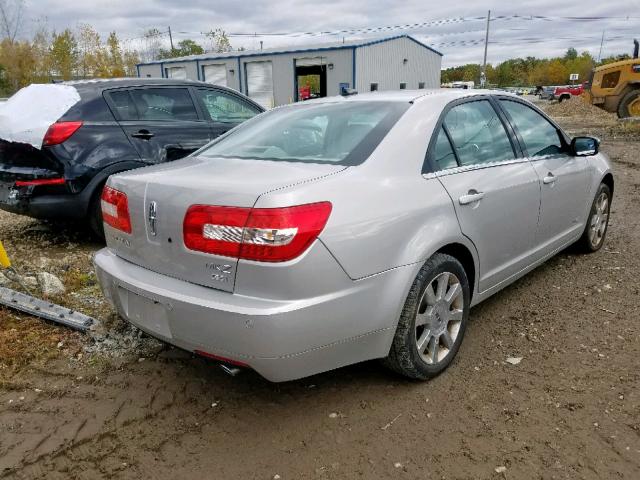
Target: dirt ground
123, 406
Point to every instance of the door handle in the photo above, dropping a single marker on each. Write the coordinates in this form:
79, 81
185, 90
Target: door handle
471, 197
143, 134
549, 179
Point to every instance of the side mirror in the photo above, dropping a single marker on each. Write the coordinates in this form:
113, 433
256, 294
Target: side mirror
585, 146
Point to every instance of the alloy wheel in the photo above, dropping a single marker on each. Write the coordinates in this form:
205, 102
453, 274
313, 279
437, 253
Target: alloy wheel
599, 220
439, 318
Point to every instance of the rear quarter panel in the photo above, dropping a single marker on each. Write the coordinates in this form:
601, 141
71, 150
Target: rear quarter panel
98, 144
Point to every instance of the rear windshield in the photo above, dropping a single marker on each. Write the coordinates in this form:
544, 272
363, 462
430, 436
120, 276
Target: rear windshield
339, 133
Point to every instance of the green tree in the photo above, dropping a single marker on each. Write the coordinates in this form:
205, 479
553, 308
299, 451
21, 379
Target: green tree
116, 62
185, 48
189, 47
571, 54
92, 56
64, 55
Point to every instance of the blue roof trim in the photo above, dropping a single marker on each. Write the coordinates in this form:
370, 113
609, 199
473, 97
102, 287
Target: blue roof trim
364, 43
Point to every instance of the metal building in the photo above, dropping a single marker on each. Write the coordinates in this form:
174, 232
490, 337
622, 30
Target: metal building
283, 75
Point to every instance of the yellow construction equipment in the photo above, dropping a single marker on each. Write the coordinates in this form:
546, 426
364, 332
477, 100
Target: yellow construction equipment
615, 87
4, 258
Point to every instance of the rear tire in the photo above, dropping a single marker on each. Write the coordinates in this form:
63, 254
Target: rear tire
629, 106
433, 320
595, 231
94, 216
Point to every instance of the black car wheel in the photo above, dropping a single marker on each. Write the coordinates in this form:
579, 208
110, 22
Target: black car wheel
94, 215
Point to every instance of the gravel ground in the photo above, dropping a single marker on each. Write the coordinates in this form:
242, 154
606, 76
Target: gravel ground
119, 405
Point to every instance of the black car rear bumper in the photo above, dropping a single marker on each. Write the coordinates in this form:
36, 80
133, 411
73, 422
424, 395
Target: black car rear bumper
47, 206
42, 201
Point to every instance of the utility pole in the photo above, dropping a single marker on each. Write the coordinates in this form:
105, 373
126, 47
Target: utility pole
171, 39
483, 76
601, 43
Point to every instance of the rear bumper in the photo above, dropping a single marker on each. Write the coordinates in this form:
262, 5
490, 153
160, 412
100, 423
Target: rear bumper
280, 339
47, 206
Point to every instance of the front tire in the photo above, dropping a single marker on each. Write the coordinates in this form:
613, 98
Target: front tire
598, 222
629, 106
433, 320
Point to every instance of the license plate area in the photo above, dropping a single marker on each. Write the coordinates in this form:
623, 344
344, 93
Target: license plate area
148, 314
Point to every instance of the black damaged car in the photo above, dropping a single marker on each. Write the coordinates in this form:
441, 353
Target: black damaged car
112, 126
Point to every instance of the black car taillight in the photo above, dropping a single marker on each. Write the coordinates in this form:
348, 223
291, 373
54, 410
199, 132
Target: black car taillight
60, 132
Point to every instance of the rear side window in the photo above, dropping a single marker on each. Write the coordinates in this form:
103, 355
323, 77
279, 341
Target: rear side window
123, 104
478, 134
540, 137
166, 104
225, 108
443, 153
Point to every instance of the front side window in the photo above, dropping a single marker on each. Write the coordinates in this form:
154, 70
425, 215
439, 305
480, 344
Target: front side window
225, 108
319, 133
168, 104
540, 137
478, 134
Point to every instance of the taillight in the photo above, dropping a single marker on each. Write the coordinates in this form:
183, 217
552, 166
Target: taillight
40, 182
262, 234
60, 132
115, 209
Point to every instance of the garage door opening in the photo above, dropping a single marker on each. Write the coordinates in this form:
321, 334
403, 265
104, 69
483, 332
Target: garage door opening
311, 81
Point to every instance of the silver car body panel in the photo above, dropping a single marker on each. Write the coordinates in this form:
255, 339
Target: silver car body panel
504, 246
340, 301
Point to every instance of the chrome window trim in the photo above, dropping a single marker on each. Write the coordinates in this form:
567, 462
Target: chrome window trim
476, 166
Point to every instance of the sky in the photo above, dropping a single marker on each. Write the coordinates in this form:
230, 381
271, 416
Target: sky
455, 28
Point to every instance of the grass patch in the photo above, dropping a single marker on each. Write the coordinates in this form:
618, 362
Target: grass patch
26, 340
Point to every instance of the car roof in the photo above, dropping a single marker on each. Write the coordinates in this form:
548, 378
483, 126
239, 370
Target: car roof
409, 96
129, 82
88, 89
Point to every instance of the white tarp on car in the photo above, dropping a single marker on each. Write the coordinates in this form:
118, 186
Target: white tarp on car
26, 116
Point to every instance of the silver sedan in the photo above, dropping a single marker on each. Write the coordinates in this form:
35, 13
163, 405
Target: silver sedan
340, 230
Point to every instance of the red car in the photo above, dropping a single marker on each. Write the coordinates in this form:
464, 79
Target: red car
567, 91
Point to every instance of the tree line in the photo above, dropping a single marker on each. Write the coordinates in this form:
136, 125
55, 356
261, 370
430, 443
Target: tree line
530, 71
80, 52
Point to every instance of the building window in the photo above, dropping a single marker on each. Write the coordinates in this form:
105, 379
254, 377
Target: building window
403, 86
374, 87
421, 86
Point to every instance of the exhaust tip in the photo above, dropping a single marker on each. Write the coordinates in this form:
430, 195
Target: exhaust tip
230, 370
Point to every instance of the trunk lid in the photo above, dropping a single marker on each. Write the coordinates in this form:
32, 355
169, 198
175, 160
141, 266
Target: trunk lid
167, 191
